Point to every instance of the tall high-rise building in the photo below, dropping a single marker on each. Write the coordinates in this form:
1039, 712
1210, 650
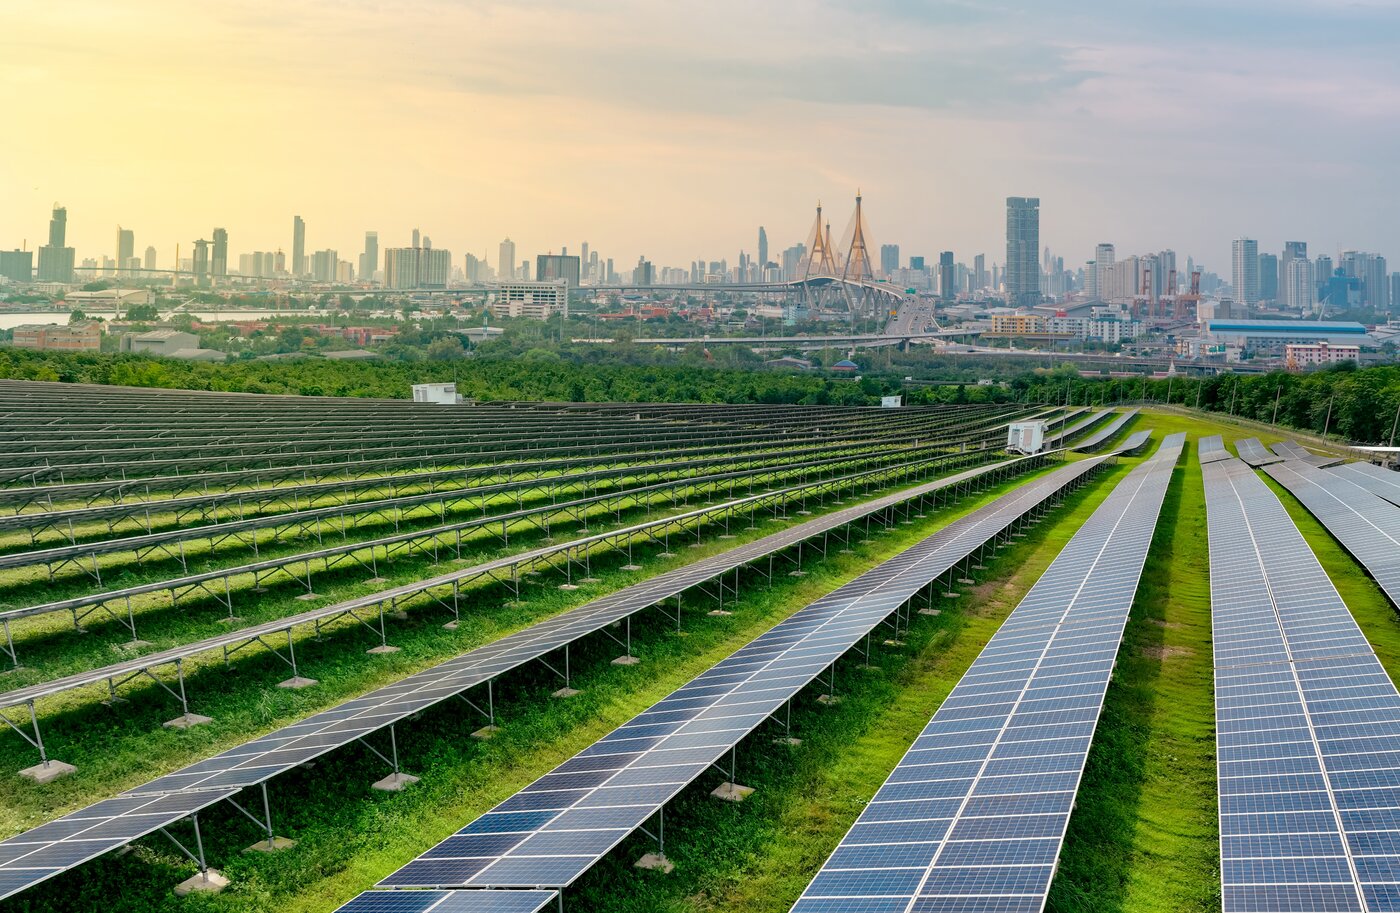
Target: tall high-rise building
557, 266
416, 267
947, 289
150, 262
1292, 250
126, 247
298, 247
417, 242
1269, 275
979, 272
1395, 291
201, 263
505, 262
762, 251
17, 265
56, 258
1299, 287
1245, 262
369, 260
1022, 248
889, 258
583, 260
1105, 256
325, 266
916, 264
218, 262
1370, 271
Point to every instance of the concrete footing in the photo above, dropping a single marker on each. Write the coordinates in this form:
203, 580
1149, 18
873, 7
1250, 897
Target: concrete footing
930, 611
828, 700
951, 595
47, 772
377, 581
787, 740
382, 649
797, 573
626, 661
400, 615
718, 613
394, 783
631, 567
563, 693
485, 733
136, 645
967, 581
210, 881
732, 792
450, 626
308, 597
568, 587
655, 862
296, 682
187, 721
276, 844
892, 642
231, 620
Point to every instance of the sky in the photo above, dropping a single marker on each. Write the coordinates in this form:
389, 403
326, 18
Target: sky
674, 129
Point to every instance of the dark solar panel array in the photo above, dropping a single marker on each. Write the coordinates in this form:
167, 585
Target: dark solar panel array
1102, 435
451, 902
38, 854
1367, 526
1211, 449
552, 831
1307, 720
1253, 452
1079, 427
973, 816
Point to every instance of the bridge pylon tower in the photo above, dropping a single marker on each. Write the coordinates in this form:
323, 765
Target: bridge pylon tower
858, 269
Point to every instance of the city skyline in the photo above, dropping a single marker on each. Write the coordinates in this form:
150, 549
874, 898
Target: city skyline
1153, 129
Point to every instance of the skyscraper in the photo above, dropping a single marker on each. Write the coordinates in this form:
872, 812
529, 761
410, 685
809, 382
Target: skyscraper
201, 263
1104, 258
979, 272
1370, 271
298, 247
1292, 250
1268, 277
1299, 287
762, 251
55, 258
889, 258
557, 266
1245, 257
17, 265
325, 264
1022, 250
126, 247
416, 267
946, 275
369, 260
218, 264
505, 262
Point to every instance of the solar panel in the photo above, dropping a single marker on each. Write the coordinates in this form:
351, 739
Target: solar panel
1383, 483
556, 828
450, 902
1107, 431
1306, 719
973, 816
1135, 441
1078, 427
1368, 526
1291, 450
1211, 449
1253, 452
221, 776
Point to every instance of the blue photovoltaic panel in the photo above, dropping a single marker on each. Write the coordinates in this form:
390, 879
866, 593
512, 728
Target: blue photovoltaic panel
1368, 526
973, 817
450, 902
552, 831
1307, 720
43, 852
1107, 431
1211, 449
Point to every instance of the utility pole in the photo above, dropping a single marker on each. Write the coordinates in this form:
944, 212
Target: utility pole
1328, 424
1394, 424
1234, 388
1278, 393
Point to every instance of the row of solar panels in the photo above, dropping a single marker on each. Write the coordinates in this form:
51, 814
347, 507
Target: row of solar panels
59, 845
972, 816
